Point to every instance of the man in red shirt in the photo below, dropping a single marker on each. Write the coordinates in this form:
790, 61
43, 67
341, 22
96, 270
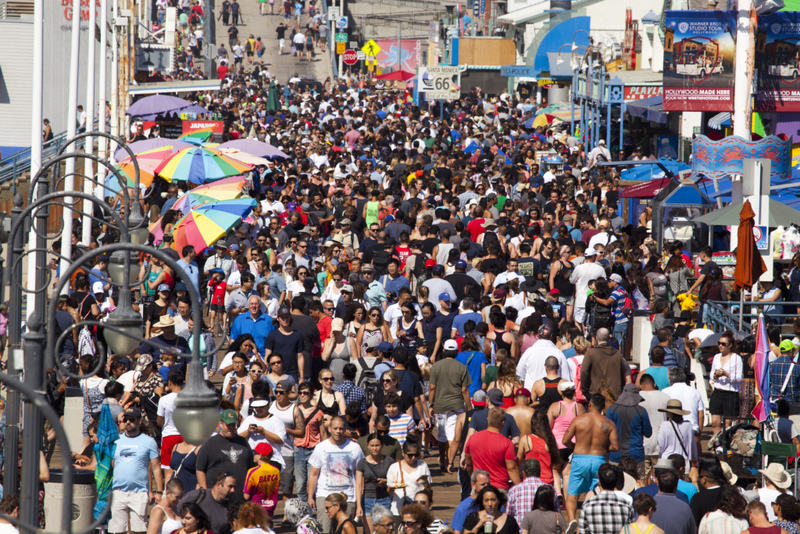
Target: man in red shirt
493, 452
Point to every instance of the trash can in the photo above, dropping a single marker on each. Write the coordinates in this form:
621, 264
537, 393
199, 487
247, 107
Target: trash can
84, 496
73, 417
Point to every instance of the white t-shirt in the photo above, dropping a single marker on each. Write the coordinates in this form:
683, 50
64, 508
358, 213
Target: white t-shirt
337, 465
272, 424
8, 528
690, 400
581, 276
166, 405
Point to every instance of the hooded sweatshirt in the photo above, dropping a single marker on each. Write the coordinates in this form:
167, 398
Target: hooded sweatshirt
603, 363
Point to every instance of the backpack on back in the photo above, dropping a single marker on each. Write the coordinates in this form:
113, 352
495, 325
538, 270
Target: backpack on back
365, 377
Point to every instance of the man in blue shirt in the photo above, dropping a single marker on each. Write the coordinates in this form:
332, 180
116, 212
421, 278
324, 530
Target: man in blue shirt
619, 295
255, 323
135, 457
779, 370
479, 480
189, 266
101, 269
633, 424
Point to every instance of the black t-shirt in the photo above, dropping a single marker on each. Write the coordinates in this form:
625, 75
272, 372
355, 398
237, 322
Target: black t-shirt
287, 346
443, 173
429, 244
84, 301
706, 269
308, 328
495, 265
280, 32
361, 426
220, 455
529, 268
63, 322
154, 313
406, 402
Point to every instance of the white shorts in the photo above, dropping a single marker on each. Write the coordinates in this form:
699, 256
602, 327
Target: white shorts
282, 43
446, 425
580, 315
124, 503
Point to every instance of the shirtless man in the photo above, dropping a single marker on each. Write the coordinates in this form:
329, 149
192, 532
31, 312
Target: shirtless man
521, 411
595, 435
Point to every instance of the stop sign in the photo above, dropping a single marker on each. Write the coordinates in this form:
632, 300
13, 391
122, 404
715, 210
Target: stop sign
350, 57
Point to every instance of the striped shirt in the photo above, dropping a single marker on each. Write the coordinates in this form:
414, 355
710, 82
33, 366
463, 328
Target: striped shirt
400, 426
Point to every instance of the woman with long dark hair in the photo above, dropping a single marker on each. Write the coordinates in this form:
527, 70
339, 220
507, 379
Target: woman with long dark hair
544, 518
541, 445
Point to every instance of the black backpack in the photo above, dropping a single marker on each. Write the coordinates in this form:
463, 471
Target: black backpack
380, 260
365, 377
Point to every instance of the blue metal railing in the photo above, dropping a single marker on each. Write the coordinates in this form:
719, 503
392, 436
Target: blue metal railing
19, 163
724, 315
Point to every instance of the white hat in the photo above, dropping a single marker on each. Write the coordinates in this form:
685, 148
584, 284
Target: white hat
97, 287
778, 475
450, 344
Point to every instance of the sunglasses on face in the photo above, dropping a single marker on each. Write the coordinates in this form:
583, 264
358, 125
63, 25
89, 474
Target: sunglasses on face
280, 392
327, 379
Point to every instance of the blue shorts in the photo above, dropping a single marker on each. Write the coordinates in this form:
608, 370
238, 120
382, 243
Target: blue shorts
370, 502
583, 475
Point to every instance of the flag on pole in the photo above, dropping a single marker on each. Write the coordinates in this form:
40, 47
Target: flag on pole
763, 409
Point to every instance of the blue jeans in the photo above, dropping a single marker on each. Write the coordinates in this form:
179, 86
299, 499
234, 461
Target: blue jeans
301, 457
620, 334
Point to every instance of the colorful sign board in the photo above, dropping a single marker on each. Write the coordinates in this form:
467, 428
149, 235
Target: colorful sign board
341, 48
341, 37
640, 92
699, 51
410, 54
778, 55
191, 126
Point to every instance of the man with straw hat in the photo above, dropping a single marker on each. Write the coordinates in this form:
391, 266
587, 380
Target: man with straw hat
675, 435
776, 481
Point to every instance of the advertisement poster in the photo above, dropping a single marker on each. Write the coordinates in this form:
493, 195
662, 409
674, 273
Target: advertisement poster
778, 50
410, 57
698, 60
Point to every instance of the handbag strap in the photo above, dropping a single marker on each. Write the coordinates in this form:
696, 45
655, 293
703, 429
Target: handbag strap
178, 470
677, 434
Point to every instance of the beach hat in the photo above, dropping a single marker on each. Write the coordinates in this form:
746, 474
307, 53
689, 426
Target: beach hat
164, 321
565, 385
337, 325
665, 464
729, 474
674, 406
778, 475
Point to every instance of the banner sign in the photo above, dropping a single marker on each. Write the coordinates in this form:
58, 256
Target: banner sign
189, 126
778, 55
698, 60
640, 92
718, 159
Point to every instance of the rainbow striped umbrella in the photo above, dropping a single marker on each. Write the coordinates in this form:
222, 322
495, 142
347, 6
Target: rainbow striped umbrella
763, 408
204, 225
200, 165
197, 137
148, 161
225, 189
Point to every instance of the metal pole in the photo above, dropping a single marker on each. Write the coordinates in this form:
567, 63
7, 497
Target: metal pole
333, 51
88, 185
101, 117
11, 476
207, 36
33, 420
114, 121
742, 101
72, 119
399, 50
36, 125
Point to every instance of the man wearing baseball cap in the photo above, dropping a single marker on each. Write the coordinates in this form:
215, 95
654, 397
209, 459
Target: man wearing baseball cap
780, 369
583, 274
449, 388
262, 482
521, 411
135, 457
225, 452
620, 296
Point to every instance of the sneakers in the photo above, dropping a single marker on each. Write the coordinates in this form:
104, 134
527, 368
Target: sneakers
572, 528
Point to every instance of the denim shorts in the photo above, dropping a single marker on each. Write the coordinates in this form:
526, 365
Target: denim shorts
370, 502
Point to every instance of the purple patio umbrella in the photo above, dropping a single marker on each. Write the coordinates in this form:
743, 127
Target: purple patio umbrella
151, 107
256, 148
149, 144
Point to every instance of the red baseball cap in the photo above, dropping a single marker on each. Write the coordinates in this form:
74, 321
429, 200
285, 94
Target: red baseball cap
264, 449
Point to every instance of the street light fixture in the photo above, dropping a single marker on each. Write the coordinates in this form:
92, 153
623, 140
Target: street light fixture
196, 414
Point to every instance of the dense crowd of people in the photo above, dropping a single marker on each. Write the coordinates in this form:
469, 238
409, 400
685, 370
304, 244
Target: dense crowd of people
420, 283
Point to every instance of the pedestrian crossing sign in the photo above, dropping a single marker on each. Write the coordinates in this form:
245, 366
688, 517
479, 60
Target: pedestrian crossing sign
371, 48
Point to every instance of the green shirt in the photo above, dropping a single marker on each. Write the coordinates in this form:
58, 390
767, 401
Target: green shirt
449, 376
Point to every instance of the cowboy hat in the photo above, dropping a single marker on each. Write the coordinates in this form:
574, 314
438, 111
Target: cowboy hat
778, 475
674, 406
163, 322
729, 474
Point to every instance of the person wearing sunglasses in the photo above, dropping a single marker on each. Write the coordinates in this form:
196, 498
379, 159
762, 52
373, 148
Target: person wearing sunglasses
415, 519
139, 454
425, 498
726, 377
409, 476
